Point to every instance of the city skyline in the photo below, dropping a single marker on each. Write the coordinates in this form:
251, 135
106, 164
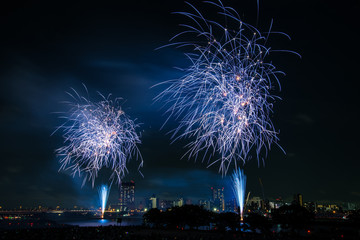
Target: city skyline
109, 47
127, 201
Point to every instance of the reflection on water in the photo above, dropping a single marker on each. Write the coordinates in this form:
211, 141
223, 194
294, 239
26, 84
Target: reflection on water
104, 222
91, 222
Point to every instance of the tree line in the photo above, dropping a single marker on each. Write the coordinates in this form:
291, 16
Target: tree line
194, 216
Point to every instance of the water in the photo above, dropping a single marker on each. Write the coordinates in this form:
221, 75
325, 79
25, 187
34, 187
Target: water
91, 222
51, 219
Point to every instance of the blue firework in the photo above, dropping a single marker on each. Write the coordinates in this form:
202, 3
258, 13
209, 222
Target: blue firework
97, 135
224, 100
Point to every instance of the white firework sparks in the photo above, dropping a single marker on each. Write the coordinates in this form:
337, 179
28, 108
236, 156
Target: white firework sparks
97, 135
225, 97
239, 188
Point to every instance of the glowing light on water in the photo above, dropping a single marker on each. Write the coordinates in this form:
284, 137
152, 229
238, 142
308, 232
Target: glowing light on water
239, 188
104, 191
103, 221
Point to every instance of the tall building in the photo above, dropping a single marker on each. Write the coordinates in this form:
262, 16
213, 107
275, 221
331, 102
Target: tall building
298, 199
231, 206
205, 204
127, 196
218, 198
152, 203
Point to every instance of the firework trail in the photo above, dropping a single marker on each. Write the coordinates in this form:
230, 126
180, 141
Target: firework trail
224, 99
97, 135
239, 187
104, 191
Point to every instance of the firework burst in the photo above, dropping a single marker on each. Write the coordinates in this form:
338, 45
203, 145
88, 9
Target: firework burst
97, 135
224, 99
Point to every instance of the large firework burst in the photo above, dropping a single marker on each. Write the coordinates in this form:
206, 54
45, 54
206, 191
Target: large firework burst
97, 135
224, 99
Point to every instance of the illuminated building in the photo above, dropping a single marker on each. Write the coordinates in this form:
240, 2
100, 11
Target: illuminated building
178, 202
311, 206
218, 198
327, 207
127, 196
231, 206
152, 202
298, 199
277, 203
165, 204
205, 204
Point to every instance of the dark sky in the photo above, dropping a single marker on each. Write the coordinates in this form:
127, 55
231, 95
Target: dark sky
47, 47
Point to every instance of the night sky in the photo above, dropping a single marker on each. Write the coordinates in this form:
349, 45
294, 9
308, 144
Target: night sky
46, 48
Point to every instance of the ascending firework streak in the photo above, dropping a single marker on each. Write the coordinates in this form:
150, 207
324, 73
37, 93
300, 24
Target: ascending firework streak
104, 191
223, 101
97, 135
239, 187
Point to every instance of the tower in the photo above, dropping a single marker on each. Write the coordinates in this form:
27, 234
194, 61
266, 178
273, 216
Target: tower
298, 199
153, 201
218, 198
127, 196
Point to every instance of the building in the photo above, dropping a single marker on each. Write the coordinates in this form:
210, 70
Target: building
231, 206
298, 199
311, 206
254, 203
127, 196
205, 204
349, 206
152, 203
267, 205
327, 208
218, 201
178, 202
277, 203
165, 204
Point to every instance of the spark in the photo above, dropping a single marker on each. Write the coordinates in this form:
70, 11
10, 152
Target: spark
239, 187
96, 135
104, 191
224, 100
